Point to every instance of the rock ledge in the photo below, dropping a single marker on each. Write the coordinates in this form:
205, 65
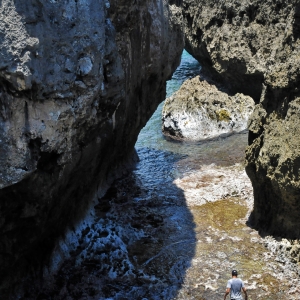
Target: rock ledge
200, 111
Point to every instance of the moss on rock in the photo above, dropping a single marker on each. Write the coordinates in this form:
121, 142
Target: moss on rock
223, 115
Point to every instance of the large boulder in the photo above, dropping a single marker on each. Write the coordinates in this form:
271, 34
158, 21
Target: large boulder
78, 80
198, 111
254, 47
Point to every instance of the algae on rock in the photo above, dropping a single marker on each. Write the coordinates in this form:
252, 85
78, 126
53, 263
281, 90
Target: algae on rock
199, 111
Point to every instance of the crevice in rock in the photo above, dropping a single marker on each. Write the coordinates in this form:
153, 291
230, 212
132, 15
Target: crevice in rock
230, 15
296, 25
176, 2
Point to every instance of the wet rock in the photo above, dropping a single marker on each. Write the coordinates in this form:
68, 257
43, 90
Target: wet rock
286, 251
198, 110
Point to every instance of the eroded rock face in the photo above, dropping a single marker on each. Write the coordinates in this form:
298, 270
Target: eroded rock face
78, 81
198, 111
254, 46
246, 43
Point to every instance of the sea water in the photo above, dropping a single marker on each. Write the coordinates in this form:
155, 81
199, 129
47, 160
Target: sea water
174, 227
151, 135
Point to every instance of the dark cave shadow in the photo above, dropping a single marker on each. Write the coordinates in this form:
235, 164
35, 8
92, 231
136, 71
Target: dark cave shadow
141, 243
296, 25
264, 225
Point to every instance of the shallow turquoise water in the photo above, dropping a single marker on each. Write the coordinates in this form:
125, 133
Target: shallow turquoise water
220, 150
151, 135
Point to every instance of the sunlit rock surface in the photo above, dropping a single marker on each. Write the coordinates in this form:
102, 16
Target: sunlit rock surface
78, 81
198, 110
254, 47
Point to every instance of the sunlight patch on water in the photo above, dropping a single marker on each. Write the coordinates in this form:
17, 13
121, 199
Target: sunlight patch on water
220, 215
224, 242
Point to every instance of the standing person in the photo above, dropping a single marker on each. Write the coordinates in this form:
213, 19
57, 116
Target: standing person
235, 287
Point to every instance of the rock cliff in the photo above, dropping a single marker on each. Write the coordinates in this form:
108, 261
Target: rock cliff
198, 111
254, 47
78, 80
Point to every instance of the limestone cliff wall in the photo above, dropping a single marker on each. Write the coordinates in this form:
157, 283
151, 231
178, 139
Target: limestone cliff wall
254, 47
78, 80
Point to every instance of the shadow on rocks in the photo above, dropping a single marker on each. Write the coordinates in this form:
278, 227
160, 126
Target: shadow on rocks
141, 242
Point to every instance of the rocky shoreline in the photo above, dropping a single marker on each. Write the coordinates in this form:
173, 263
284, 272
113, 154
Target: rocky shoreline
78, 82
198, 111
183, 230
